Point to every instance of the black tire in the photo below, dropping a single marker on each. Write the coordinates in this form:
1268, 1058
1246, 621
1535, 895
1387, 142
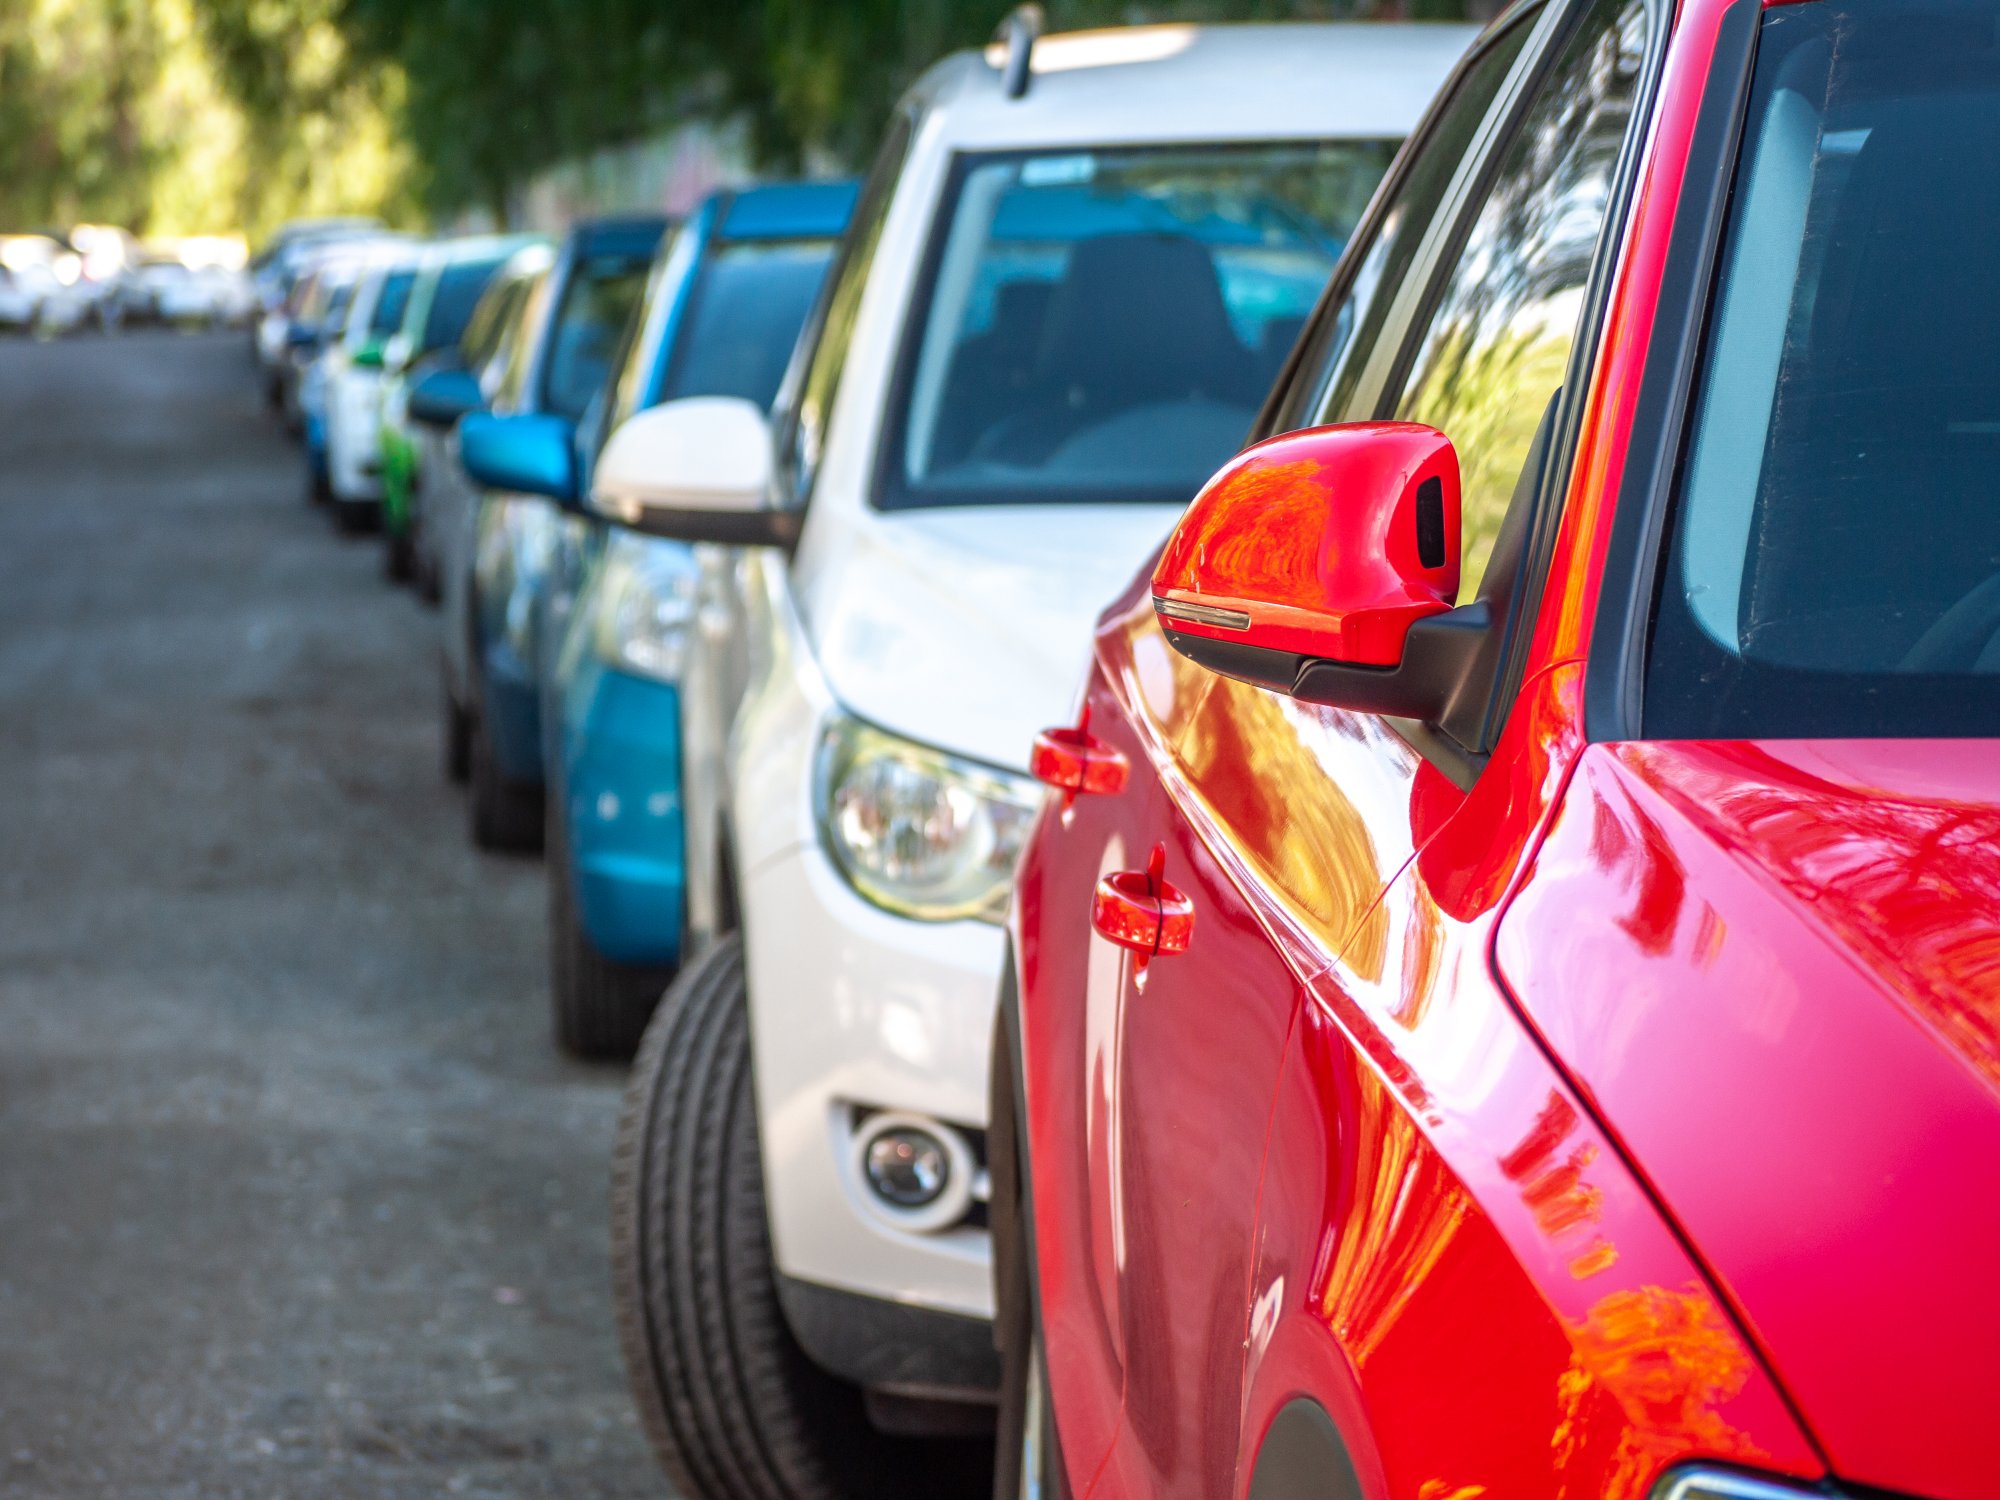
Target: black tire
430, 577
457, 741
1027, 1460
354, 517
601, 1007
505, 816
733, 1406
319, 488
398, 557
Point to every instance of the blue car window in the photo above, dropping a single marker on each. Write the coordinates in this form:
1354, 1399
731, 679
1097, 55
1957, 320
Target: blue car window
459, 289
391, 302
598, 303
743, 317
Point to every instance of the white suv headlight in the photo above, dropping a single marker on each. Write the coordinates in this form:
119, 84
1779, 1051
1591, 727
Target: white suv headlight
643, 606
919, 832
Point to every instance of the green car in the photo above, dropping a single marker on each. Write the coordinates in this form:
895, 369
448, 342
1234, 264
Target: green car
451, 275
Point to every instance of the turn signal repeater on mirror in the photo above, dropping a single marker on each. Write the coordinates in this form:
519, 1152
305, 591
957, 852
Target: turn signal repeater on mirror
1077, 763
1142, 912
1305, 564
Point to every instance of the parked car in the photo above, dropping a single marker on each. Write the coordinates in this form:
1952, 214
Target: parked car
1500, 1001
451, 277
442, 390
1065, 295
354, 374
318, 326
275, 273
727, 296
556, 358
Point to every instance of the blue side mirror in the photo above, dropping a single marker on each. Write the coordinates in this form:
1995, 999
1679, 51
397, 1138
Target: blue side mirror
530, 453
444, 395
302, 336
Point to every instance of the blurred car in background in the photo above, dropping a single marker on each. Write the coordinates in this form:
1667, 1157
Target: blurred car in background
443, 389
557, 355
353, 375
41, 285
724, 304
1074, 274
451, 276
171, 291
274, 275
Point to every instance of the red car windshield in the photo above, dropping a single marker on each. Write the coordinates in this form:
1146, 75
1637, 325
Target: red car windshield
1834, 563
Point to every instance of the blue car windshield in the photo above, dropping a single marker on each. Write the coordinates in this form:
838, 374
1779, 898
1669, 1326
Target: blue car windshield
458, 291
598, 303
391, 302
1103, 325
743, 317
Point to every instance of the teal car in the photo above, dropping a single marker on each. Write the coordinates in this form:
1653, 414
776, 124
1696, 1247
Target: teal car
726, 299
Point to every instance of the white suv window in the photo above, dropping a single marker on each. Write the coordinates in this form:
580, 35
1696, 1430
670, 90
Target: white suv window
1103, 325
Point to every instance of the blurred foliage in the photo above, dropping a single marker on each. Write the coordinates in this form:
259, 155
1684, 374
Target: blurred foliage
184, 115
190, 116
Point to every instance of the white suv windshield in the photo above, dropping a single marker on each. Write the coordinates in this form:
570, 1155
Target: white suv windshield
1103, 325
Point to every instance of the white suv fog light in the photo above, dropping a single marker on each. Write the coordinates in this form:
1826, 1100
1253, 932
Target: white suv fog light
918, 1172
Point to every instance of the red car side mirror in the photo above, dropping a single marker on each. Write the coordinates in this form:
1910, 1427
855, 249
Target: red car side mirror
1308, 562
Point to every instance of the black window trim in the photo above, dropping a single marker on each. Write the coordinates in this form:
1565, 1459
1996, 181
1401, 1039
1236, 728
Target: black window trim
1614, 675
1460, 762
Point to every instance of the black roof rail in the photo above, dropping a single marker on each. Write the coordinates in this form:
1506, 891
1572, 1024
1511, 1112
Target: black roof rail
1018, 34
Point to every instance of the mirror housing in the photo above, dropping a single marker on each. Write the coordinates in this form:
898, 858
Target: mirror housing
443, 395
695, 470
1324, 564
368, 356
301, 337
529, 453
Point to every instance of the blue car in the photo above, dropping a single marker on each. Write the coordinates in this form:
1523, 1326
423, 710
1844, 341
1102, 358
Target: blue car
556, 353
727, 298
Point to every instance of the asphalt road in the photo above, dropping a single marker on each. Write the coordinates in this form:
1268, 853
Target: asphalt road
296, 1198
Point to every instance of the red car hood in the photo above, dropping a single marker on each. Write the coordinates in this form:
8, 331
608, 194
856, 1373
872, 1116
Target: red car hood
1775, 971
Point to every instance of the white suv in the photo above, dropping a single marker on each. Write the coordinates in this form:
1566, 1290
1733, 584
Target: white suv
1073, 275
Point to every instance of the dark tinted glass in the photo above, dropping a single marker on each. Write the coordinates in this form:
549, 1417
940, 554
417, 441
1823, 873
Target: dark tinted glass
600, 299
1498, 340
746, 308
458, 291
1335, 356
1834, 557
391, 303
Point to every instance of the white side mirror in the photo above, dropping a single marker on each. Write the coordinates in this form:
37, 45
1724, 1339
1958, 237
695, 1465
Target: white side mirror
697, 470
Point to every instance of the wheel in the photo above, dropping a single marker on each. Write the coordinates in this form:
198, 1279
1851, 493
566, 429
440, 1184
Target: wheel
353, 517
733, 1406
398, 557
601, 1007
457, 740
1027, 1459
319, 487
505, 816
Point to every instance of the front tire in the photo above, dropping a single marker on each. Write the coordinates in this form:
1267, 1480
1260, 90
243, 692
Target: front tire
601, 1007
505, 816
734, 1407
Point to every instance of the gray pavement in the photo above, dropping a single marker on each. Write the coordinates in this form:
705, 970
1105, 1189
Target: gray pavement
296, 1198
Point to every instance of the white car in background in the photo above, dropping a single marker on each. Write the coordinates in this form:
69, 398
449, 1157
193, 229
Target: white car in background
1073, 275
353, 373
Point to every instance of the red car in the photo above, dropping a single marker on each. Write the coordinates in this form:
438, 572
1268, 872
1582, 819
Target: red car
1505, 1001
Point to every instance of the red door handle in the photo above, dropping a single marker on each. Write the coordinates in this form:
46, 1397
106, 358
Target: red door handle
1142, 912
1077, 762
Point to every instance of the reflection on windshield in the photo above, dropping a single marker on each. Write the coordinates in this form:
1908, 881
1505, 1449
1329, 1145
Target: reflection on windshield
1104, 325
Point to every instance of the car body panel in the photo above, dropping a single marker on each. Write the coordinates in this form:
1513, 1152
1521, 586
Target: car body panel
1804, 939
